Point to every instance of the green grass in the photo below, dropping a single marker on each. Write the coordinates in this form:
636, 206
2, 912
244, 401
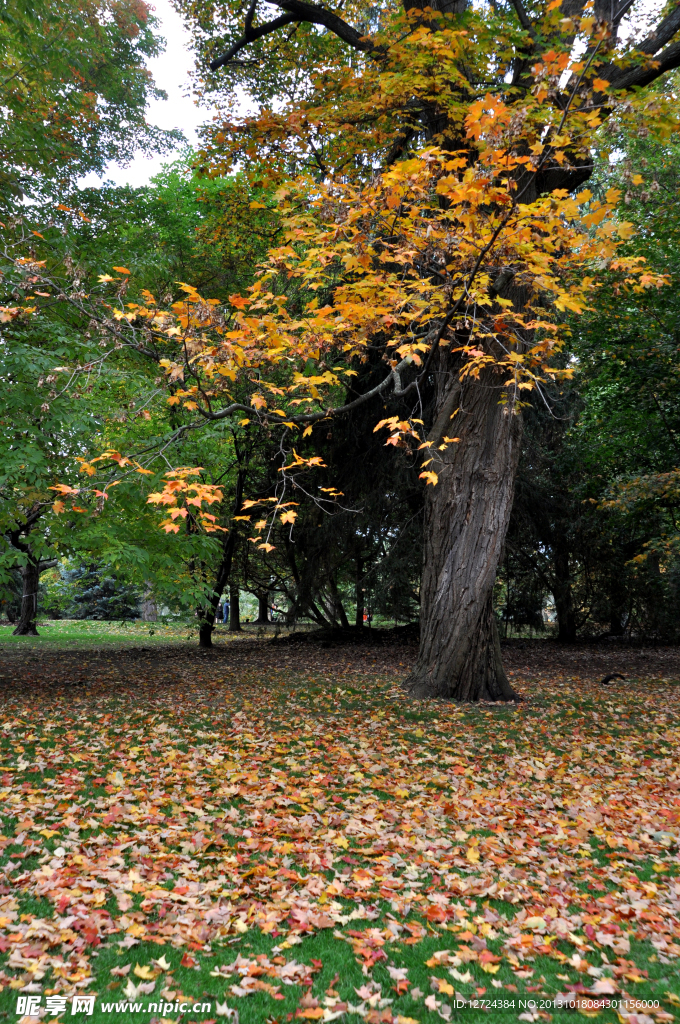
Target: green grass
197, 985
63, 634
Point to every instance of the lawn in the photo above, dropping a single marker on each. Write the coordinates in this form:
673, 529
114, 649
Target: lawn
274, 832
70, 633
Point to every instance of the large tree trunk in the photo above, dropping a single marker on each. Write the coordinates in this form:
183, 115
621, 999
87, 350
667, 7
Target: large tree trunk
466, 518
29, 600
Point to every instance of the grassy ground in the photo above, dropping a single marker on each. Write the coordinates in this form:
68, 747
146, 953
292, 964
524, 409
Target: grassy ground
279, 833
74, 633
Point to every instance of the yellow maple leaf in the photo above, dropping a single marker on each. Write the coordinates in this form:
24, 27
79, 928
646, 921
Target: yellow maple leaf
144, 972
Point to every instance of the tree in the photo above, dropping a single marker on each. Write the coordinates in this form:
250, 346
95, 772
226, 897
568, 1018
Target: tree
98, 592
595, 509
71, 383
422, 164
630, 387
440, 146
74, 87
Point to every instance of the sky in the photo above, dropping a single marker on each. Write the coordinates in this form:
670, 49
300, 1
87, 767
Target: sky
171, 72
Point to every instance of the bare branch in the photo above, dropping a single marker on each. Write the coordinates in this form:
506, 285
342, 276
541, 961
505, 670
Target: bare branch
623, 9
248, 23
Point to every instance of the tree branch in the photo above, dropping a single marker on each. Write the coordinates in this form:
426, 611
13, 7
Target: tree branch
297, 11
663, 33
524, 19
667, 60
623, 9
250, 36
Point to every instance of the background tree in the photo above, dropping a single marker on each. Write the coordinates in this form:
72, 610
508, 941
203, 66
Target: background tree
97, 592
74, 87
595, 506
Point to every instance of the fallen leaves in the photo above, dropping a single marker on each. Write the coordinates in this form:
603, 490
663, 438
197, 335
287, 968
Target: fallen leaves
181, 819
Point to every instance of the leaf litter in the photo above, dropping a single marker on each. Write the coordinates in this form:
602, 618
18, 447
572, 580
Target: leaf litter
282, 832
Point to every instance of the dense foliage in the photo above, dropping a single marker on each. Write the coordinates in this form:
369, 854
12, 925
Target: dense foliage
109, 345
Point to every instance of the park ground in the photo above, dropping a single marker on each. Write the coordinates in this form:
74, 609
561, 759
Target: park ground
273, 831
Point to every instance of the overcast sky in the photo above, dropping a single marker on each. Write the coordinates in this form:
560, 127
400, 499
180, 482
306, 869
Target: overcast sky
171, 72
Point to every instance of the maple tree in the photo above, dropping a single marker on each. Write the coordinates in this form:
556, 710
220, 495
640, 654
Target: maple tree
450, 268
425, 166
62, 390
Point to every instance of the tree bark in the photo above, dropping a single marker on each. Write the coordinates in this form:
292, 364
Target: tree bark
234, 609
564, 598
359, 593
205, 631
29, 600
466, 518
262, 609
147, 606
